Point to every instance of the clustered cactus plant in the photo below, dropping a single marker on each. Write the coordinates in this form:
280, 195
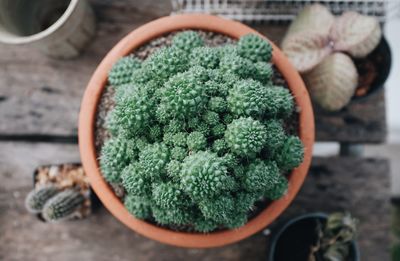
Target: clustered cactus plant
53, 203
197, 133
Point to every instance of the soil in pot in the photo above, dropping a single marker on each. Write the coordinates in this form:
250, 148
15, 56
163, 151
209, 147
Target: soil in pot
106, 104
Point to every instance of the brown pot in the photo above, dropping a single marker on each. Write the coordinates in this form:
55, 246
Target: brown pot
87, 120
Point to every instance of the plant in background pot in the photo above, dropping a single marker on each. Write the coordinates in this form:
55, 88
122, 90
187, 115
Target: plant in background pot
338, 57
316, 237
196, 131
61, 192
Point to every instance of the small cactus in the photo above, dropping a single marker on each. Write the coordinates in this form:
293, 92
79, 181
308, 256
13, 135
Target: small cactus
37, 198
62, 205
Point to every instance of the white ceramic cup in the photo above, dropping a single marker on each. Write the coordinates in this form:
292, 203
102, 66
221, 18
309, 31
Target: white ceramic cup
58, 28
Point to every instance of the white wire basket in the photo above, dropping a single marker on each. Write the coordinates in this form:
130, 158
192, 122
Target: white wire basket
282, 10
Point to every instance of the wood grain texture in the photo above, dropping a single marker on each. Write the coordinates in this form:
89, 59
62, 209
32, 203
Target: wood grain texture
356, 185
41, 96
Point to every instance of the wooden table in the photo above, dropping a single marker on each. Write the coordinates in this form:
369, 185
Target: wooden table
39, 104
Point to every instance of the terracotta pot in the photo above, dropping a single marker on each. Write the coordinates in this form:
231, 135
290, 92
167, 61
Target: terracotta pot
87, 120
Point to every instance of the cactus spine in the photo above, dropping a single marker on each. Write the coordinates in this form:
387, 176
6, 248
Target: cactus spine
63, 205
37, 198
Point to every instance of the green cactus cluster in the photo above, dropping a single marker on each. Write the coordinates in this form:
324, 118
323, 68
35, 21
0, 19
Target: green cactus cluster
62, 205
122, 71
53, 203
197, 133
37, 198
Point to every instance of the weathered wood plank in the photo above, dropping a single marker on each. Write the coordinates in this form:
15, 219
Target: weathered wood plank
362, 121
357, 185
41, 96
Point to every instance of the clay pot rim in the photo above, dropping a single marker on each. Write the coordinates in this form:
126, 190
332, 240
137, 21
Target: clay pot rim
87, 119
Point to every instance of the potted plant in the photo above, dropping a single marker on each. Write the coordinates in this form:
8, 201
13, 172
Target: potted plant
60, 192
316, 237
340, 58
200, 147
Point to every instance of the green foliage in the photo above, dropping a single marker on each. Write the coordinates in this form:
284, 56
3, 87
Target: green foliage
174, 170
116, 154
219, 146
218, 130
219, 209
275, 136
36, 199
279, 103
204, 225
179, 139
204, 175
335, 237
211, 118
235, 64
204, 56
138, 206
227, 49
278, 190
191, 130
196, 141
122, 70
169, 196
174, 126
166, 62
62, 205
133, 114
187, 40
261, 176
178, 153
155, 133
264, 72
247, 98
254, 48
175, 216
183, 95
217, 104
134, 181
153, 160
290, 155
246, 136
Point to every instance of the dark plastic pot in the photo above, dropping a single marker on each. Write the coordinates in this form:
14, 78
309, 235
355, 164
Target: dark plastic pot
95, 202
381, 57
294, 239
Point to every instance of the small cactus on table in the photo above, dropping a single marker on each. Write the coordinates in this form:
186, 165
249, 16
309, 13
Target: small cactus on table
62, 205
37, 198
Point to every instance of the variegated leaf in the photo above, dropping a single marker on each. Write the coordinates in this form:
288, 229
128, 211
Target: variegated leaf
332, 82
356, 34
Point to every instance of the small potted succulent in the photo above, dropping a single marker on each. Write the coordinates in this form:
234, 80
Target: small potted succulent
196, 131
60, 192
340, 58
316, 237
